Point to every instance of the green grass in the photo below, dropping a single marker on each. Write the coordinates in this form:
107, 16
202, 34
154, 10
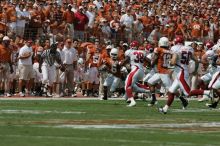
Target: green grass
42, 123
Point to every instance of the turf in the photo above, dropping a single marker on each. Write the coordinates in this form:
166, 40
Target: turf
105, 123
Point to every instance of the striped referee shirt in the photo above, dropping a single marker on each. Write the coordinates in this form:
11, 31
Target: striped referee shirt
50, 58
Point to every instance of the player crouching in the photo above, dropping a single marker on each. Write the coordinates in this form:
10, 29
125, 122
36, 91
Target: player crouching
115, 75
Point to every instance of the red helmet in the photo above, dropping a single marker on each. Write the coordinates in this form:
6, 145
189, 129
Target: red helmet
179, 39
134, 44
149, 48
209, 44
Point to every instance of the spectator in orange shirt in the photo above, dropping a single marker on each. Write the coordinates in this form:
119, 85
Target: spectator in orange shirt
196, 29
69, 19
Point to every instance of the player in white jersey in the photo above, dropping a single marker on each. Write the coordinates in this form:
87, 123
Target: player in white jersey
208, 59
150, 71
180, 59
137, 58
212, 77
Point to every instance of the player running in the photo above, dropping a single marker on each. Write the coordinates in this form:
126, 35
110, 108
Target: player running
180, 59
137, 59
161, 59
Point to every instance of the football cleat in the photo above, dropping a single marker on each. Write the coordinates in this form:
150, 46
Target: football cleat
128, 101
213, 105
152, 103
204, 98
161, 110
132, 103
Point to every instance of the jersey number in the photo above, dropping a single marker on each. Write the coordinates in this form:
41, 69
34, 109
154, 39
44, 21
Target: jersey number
139, 57
185, 57
166, 59
95, 59
114, 68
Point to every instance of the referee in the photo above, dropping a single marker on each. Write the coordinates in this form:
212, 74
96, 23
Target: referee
48, 68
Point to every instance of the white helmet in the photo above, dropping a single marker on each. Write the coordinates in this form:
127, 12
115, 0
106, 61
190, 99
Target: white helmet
210, 54
114, 53
163, 42
80, 61
109, 47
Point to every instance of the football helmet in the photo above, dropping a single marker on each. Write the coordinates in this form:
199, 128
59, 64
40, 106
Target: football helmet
114, 53
209, 45
134, 44
149, 48
109, 47
179, 40
163, 42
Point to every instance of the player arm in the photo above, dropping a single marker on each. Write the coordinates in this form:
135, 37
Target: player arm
154, 59
125, 61
173, 60
193, 57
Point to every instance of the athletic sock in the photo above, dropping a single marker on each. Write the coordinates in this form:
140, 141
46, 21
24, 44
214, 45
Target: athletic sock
165, 108
105, 92
170, 99
153, 97
182, 99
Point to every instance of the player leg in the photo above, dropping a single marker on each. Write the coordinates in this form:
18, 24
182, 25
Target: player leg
91, 80
171, 94
137, 75
203, 82
102, 77
52, 79
152, 82
215, 86
95, 83
45, 81
107, 83
128, 86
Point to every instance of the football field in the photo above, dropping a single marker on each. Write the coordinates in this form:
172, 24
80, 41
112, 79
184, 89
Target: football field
90, 122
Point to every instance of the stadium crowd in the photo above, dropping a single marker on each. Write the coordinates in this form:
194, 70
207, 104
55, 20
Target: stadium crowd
56, 48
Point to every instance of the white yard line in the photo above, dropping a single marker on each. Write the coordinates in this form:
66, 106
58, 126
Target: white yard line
39, 112
194, 110
137, 126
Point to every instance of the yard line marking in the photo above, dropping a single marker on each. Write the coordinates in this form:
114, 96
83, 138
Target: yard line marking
194, 110
38, 112
136, 126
